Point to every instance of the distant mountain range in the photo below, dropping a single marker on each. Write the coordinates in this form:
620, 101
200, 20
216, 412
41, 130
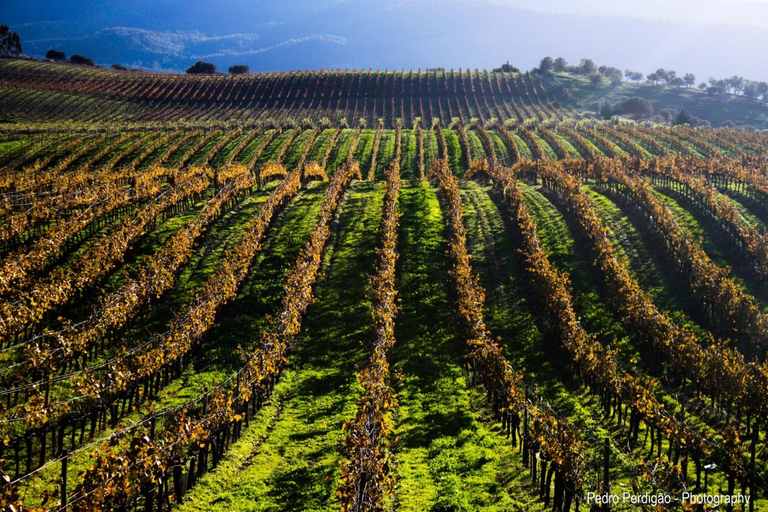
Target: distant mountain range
280, 35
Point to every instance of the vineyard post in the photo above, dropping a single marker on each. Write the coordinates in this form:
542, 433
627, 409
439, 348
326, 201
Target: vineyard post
237, 386
64, 461
731, 489
752, 449
707, 469
606, 472
524, 436
178, 489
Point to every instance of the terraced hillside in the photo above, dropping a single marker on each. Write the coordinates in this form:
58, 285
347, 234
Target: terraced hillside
221, 314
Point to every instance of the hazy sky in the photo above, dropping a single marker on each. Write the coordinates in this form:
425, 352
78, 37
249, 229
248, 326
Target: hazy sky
707, 37
742, 12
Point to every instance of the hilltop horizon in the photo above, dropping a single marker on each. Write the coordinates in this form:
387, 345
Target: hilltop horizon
583, 90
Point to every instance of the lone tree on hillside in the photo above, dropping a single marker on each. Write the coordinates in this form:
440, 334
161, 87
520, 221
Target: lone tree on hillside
736, 83
201, 67
56, 55
239, 69
762, 90
506, 68
634, 76
546, 65
677, 82
79, 59
119, 67
717, 87
683, 117
587, 67
596, 79
10, 42
613, 74
605, 110
750, 90
662, 75
560, 65
636, 107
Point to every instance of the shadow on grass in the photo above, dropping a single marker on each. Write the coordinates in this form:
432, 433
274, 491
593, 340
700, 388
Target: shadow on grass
325, 361
509, 308
427, 349
295, 489
261, 293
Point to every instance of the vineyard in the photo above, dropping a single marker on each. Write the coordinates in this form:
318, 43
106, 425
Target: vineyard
437, 290
40, 91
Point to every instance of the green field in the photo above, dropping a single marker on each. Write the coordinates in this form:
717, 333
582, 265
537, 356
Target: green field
191, 316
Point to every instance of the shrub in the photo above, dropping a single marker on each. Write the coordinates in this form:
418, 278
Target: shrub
636, 107
55, 55
79, 59
201, 67
239, 69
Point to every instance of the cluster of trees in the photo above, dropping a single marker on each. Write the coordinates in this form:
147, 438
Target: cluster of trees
598, 74
507, 68
669, 77
208, 68
587, 67
560, 65
201, 68
661, 77
79, 59
58, 56
636, 107
10, 42
736, 85
239, 69
55, 55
